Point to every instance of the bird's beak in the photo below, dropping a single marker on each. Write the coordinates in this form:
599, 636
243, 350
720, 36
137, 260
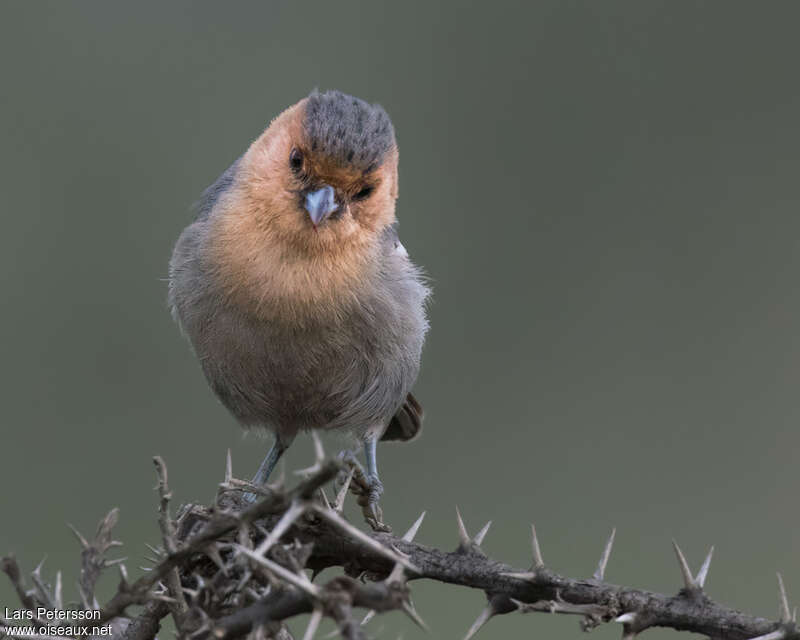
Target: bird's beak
320, 204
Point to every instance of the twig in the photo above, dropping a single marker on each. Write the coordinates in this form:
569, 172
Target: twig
236, 569
221, 525
178, 607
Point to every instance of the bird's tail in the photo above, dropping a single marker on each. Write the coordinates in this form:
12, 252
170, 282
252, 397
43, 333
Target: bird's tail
407, 422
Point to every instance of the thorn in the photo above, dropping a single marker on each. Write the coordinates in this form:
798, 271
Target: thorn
463, 536
786, 615
38, 570
370, 615
313, 624
778, 634
700, 578
192, 593
57, 592
228, 467
300, 581
111, 563
83, 541
324, 497
688, 580
294, 511
478, 539
397, 575
481, 620
627, 620
337, 520
538, 561
412, 532
528, 575
213, 553
82, 594
338, 504
411, 612
600, 573
154, 550
162, 598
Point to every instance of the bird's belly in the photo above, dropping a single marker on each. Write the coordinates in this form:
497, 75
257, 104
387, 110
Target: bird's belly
337, 378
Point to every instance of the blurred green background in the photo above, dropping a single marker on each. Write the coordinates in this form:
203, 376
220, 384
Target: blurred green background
605, 197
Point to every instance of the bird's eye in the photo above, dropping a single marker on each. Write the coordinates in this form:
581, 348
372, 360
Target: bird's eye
296, 160
365, 193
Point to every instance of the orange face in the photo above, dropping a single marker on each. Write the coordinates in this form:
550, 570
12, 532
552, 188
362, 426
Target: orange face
282, 170
266, 243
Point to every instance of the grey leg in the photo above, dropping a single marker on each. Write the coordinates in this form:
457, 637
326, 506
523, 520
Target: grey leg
375, 486
268, 464
370, 454
366, 484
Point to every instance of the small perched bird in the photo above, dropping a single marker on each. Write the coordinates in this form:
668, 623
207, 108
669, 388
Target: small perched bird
293, 287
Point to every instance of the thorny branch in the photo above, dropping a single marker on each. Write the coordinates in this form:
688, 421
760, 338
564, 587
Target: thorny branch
235, 570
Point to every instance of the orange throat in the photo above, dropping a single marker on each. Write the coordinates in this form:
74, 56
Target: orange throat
274, 276
267, 255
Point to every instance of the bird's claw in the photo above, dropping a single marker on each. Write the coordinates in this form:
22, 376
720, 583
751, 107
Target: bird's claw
370, 507
380, 527
367, 488
375, 490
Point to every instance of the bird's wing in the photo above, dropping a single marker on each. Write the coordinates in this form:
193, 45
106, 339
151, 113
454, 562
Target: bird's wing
210, 196
407, 422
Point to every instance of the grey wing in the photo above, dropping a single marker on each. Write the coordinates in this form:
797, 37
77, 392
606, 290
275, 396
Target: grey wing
407, 422
212, 193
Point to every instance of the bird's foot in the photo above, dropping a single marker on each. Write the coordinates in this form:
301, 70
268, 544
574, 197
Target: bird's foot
259, 491
369, 501
366, 487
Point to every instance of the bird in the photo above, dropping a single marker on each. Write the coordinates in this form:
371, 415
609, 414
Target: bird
291, 283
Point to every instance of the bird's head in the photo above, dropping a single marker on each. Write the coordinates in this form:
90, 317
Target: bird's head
324, 173
311, 198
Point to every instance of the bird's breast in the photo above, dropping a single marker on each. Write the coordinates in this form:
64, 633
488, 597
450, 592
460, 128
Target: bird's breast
276, 274
345, 359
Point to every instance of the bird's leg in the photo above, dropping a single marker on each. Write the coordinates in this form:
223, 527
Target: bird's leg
365, 484
280, 445
372, 510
